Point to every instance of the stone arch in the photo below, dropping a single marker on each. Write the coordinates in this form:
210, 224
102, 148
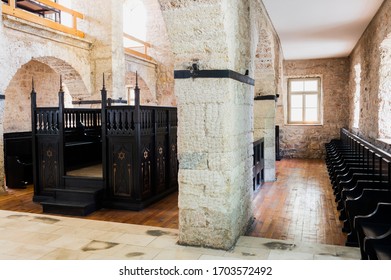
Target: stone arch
384, 109
70, 76
15, 112
146, 96
46, 73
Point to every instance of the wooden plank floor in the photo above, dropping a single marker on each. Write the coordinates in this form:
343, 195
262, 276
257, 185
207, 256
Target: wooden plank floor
298, 206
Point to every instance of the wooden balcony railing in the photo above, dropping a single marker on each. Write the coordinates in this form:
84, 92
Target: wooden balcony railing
138, 48
36, 11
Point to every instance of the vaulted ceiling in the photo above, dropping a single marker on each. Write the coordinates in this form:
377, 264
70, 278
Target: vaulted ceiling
310, 29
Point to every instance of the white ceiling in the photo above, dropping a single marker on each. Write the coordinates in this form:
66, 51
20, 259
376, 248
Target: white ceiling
311, 29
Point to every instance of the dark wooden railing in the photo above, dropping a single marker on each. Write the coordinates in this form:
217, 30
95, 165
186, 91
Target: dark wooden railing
47, 121
88, 118
377, 160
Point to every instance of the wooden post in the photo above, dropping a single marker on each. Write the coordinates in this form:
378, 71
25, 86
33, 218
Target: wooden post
12, 4
74, 22
137, 161
61, 138
33, 137
104, 136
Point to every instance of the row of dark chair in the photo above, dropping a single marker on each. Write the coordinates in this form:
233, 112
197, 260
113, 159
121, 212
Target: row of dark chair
360, 175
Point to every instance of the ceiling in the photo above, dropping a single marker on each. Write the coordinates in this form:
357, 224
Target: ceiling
310, 29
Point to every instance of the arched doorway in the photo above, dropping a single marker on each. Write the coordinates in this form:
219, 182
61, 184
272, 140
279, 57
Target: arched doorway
45, 72
146, 96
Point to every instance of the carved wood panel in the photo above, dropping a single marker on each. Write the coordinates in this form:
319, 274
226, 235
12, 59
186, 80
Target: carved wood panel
173, 160
161, 166
146, 167
48, 163
121, 175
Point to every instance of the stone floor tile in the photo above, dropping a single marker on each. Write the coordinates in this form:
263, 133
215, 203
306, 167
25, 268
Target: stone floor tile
134, 239
177, 255
248, 253
126, 252
65, 254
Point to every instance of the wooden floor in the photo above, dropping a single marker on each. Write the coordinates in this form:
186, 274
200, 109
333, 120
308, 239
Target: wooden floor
298, 206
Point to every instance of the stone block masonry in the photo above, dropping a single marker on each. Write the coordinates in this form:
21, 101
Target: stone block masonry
215, 155
372, 55
215, 115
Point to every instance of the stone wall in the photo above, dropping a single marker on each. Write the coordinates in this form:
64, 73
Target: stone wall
373, 54
307, 141
162, 54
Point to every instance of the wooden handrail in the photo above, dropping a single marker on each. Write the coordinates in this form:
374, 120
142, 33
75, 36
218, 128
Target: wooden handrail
133, 51
12, 9
130, 37
61, 8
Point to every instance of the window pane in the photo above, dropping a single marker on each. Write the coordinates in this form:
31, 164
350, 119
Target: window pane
311, 115
296, 115
297, 86
296, 101
311, 85
311, 100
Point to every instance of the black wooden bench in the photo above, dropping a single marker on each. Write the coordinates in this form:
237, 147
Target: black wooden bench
364, 204
18, 159
376, 225
83, 147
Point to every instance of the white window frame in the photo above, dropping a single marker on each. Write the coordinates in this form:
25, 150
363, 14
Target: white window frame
319, 120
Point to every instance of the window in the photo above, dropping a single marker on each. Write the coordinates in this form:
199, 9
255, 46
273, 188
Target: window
304, 101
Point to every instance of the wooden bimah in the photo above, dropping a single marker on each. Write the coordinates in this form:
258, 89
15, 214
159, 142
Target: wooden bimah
134, 147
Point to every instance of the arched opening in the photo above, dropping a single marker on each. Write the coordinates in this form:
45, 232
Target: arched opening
384, 90
146, 97
45, 72
17, 113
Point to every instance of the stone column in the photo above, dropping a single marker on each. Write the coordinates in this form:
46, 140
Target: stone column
104, 27
215, 120
215, 156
